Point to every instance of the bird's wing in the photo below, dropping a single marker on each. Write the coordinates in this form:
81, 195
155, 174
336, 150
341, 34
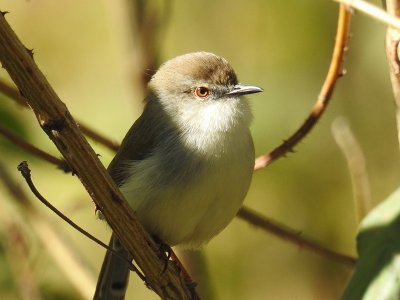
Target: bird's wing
138, 144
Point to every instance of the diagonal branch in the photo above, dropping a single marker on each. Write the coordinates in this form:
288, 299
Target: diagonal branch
334, 72
55, 119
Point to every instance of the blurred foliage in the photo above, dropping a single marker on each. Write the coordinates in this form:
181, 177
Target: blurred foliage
377, 274
88, 52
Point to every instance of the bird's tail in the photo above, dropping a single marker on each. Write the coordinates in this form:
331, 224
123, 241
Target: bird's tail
113, 279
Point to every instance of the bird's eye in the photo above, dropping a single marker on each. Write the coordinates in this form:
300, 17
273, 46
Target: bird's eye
202, 91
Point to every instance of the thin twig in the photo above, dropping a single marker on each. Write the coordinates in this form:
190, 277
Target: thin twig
26, 173
293, 236
373, 11
354, 155
16, 140
334, 73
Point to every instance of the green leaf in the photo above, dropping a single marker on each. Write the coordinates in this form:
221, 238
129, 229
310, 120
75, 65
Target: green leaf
377, 273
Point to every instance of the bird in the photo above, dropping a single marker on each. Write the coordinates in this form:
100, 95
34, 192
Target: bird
186, 164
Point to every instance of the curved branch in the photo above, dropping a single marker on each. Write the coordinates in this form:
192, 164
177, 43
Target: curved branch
334, 73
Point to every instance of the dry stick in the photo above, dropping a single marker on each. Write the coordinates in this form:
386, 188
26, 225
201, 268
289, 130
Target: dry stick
293, 236
26, 173
392, 56
334, 72
57, 122
58, 248
13, 93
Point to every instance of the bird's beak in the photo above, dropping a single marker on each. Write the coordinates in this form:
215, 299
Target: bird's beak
240, 89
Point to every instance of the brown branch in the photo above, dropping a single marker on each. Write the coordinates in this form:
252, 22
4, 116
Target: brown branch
58, 124
16, 140
293, 236
13, 94
334, 73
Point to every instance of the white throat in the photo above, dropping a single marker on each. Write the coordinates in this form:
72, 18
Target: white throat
213, 126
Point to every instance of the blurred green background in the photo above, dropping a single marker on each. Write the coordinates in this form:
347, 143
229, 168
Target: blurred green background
89, 54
